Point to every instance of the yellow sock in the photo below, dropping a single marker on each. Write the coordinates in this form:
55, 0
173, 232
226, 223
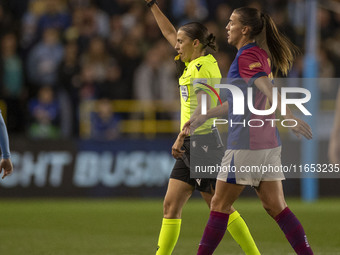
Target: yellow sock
240, 232
168, 236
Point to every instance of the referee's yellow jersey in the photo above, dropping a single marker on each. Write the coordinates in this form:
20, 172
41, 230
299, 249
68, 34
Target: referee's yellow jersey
200, 71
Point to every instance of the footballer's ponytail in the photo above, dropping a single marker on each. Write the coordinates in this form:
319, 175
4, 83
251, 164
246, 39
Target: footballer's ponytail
263, 29
282, 50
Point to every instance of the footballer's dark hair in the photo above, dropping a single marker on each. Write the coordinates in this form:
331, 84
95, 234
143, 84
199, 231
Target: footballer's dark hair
263, 29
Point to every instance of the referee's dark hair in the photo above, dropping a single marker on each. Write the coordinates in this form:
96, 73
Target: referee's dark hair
263, 29
196, 30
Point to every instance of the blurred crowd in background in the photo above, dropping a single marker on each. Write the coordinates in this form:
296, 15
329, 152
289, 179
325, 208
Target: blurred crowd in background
56, 54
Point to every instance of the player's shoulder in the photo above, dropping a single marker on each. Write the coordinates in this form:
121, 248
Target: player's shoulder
204, 64
253, 53
253, 59
208, 60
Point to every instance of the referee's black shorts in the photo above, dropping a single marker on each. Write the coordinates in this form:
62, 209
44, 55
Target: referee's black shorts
196, 148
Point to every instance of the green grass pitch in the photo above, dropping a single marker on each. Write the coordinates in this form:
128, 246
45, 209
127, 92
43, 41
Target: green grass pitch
131, 227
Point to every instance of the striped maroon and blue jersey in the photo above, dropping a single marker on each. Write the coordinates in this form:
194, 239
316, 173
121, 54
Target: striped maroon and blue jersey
251, 62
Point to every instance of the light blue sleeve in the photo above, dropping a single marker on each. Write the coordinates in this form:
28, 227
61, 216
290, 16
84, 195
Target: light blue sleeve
4, 142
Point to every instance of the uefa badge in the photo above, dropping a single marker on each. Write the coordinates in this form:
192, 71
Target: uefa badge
184, 93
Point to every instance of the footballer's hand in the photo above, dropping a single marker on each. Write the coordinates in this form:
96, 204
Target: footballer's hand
302, 128
6, 165
176, 149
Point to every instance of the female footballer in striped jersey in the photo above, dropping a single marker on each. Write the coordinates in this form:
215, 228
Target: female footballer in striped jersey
248, 145
191, 41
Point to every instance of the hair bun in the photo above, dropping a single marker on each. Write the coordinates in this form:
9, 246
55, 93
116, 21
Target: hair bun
211, 38
211, 41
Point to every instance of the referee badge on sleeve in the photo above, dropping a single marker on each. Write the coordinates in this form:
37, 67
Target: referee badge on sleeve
184, 92
200, 81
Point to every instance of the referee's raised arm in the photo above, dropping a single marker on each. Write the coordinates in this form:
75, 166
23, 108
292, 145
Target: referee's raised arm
168, 30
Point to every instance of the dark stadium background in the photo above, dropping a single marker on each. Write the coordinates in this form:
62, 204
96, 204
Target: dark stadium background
108, 58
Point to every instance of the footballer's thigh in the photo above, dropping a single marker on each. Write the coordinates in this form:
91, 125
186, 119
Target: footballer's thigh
272, 197
177, 195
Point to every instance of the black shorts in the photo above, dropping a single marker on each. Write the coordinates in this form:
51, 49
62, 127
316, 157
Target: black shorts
199, 145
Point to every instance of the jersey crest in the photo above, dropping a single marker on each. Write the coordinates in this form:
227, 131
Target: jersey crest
254, 65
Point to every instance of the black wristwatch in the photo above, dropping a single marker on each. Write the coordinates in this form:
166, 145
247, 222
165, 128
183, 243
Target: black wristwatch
151, 3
